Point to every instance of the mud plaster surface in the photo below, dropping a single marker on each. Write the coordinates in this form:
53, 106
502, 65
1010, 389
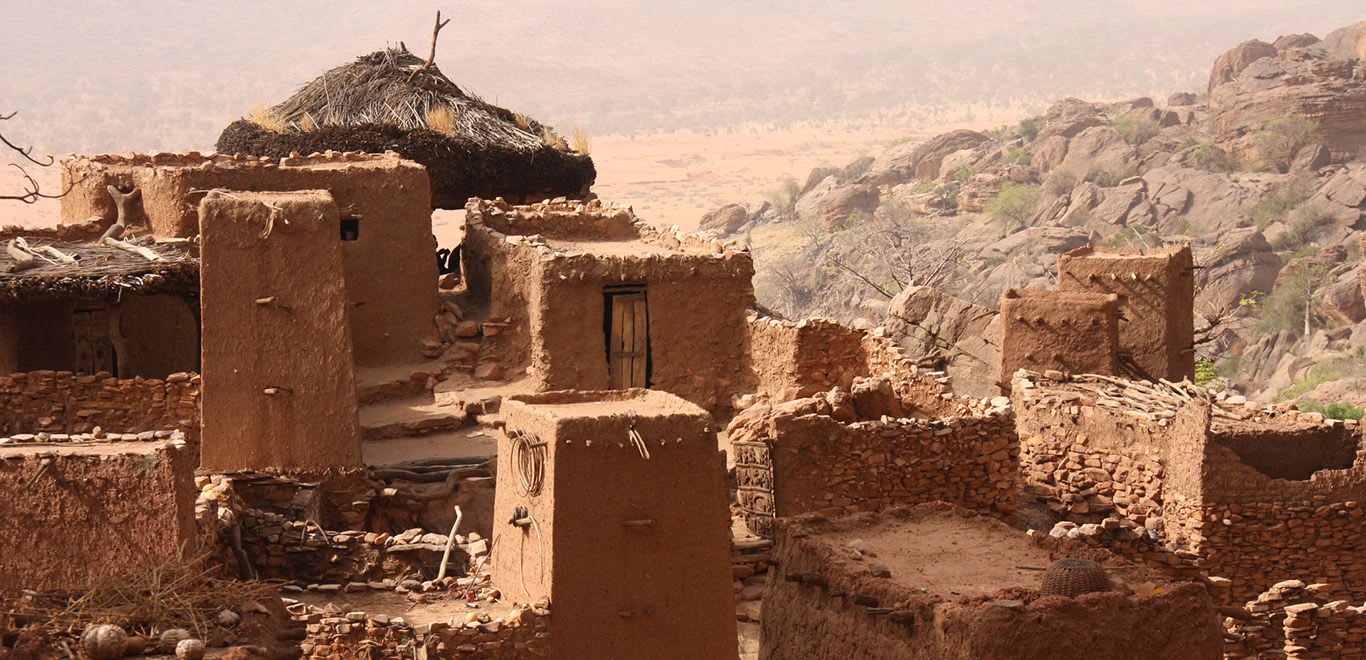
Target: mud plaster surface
951, 555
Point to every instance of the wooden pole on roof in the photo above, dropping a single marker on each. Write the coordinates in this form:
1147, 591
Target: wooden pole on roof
431, 56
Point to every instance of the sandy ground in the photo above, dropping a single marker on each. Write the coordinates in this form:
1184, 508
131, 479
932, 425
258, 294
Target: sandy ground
675, 178
669, 178
952, 555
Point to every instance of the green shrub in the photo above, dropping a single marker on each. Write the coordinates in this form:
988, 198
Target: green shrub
1205, 372
1015, 204
854, 170
1061, 182
1029, 128
1135, 128
1109, 177
1016, 156
1327, 371
1334, 410
1281, 138
1277, 205
1301, 227
784, 198
962, 174
1213, 159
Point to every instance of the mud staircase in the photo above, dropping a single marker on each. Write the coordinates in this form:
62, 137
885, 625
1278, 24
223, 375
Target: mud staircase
400, 418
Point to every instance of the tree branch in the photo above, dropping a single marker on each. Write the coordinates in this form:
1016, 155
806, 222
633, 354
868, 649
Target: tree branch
431, 56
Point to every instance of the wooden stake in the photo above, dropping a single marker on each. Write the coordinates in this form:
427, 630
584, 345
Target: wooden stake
431, 57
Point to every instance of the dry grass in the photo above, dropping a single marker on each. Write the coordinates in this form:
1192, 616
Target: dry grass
170, 594
523, 122
441, 118
553, 139
267, 118
308, 124
582, 141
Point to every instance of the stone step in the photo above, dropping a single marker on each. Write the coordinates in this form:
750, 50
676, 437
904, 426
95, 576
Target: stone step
412, 417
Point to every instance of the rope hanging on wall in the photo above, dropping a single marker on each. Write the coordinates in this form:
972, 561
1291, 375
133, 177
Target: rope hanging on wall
634, 436
528, 459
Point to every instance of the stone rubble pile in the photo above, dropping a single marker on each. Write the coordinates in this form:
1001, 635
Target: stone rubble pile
1296, 621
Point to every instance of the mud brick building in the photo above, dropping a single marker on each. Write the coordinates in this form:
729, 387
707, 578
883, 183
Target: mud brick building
586, 296
936, 581
613, 506
74, 512
1156, 289
1072, 332
383, 223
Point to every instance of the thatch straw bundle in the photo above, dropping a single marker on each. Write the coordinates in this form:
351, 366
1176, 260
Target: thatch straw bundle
388, 100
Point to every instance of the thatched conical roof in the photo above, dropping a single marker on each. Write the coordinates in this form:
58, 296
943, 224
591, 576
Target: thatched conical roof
387, 100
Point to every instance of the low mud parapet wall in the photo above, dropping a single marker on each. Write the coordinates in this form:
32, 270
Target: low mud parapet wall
75, 515
66, 403
822, 604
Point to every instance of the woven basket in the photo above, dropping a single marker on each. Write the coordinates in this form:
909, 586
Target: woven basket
1074, 577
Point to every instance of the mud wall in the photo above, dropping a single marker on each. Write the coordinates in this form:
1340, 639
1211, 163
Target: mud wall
1067, 332
634, 552
1175, 469
73, 516
819, 605
60, 402
390, 269
799, 457
280, 388
1157, 299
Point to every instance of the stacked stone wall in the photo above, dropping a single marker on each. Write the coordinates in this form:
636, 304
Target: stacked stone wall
1296, 620
809, 455
64, 403
360, 635
1230, 486
797, 360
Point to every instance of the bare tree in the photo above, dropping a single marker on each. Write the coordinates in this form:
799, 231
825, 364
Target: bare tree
889, 255
32, 191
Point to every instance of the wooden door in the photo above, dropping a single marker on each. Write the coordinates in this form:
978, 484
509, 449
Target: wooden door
628, 341
94, 351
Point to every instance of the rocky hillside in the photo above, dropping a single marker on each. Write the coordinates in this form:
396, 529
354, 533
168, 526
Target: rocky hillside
1263, 173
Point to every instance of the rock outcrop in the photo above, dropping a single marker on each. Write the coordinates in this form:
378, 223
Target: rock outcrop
953, 335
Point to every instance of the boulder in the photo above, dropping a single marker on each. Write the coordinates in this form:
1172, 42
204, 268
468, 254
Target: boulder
1242, 262
1301, 40
1345, 42
1098, 149
725, 220
978, 192
1182, 98
919, 161
1048, 152
955, 335
1330, 92
835, 207
1233, 62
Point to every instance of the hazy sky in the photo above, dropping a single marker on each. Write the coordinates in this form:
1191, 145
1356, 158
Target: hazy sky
160, 74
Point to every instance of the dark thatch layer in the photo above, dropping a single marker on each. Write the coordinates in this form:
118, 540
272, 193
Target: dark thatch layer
477, 148
104, 273
458, 168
